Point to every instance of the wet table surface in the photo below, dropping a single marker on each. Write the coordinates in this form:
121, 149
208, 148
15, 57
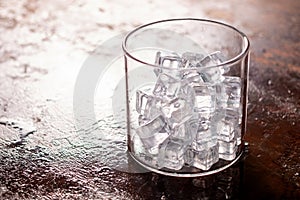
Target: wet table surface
45, 154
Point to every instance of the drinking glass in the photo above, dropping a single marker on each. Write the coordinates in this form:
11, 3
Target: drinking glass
186, 95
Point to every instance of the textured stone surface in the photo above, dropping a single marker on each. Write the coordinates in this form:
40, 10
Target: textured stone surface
42, 47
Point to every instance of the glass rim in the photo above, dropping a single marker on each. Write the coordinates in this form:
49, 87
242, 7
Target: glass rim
231, 61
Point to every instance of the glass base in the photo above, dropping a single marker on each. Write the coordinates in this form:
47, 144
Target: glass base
188, 171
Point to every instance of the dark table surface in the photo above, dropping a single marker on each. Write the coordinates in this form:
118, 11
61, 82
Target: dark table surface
44, 155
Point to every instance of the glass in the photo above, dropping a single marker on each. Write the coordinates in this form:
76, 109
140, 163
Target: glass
186, 95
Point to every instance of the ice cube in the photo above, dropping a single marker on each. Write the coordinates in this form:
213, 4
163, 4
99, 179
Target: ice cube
227, 150
206, 158
177, 111
153, 133
177, 108
147, 105
186, 131
229, 92
167, 86
152, 108
227, 147
227, 125
212, 59
205, 139
213, 74
192, 77
205, 96
228, 157
190, 59
233, 90
170, 60
143, 154
143, 96
188, 156
205, 101
171, 154
193, 60
167, 60
186, 91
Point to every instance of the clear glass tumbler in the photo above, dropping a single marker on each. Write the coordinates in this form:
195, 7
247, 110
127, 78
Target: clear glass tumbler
186, 95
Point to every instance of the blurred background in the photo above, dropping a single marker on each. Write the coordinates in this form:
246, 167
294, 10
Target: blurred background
43, 45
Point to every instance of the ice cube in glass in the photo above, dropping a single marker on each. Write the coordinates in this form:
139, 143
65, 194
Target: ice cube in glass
206, 158
153, 133
171, 153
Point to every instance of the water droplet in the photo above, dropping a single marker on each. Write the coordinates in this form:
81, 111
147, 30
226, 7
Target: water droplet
293, 123
269, 82
283, 117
